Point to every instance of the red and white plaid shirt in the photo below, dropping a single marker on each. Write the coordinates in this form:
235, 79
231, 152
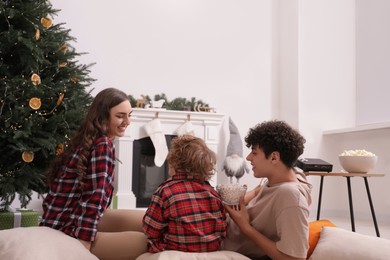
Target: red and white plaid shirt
75, 210
185, 215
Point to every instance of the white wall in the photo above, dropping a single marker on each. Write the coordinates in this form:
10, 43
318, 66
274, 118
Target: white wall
288, 62
326, 83
218, 51
372, 61
327, 95
252, 60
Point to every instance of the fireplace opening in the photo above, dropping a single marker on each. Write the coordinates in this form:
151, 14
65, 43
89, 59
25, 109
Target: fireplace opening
146, 175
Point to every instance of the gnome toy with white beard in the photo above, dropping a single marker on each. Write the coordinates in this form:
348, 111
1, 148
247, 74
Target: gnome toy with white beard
234, 165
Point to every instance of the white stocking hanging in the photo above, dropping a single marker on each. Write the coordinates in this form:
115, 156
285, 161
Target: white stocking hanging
154, 131
186, 128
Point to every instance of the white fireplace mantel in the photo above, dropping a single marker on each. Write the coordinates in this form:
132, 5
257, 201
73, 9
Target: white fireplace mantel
207, 125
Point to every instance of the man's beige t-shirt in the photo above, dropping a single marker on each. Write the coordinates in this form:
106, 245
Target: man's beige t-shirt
279, 212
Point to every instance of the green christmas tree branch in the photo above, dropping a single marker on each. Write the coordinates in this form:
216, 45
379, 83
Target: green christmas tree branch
43, 95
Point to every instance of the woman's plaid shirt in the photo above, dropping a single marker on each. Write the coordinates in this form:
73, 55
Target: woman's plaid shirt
185, 215
75, 210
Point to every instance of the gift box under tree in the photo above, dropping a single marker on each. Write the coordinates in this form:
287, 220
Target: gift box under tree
18, 218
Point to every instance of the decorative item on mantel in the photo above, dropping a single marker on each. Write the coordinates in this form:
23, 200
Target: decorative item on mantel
234, 164
179, 103
155, 104
154, 131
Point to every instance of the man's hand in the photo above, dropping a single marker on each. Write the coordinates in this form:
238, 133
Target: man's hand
239, 214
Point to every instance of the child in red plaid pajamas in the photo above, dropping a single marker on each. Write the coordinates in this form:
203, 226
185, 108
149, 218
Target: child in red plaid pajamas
185, 212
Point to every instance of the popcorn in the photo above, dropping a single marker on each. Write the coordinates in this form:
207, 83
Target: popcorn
357, 153
231, 193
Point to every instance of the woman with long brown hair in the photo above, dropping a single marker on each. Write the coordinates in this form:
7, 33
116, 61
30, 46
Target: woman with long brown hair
81, 181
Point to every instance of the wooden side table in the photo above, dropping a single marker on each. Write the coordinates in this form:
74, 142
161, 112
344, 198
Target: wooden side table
348, 177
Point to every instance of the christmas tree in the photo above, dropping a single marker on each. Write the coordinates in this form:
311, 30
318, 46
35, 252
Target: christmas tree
43, 95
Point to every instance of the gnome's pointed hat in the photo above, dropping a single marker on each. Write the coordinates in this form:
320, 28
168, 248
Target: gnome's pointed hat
235, 143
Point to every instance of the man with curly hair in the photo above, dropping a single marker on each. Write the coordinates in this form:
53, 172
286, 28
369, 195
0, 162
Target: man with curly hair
272, 220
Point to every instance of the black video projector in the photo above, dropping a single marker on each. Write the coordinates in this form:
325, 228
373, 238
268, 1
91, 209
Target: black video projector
314, 165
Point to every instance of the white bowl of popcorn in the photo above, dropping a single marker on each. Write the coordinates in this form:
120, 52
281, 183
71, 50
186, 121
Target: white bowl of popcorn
231, 193
357, 161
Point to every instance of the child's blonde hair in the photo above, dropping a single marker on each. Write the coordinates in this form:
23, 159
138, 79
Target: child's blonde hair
190, 154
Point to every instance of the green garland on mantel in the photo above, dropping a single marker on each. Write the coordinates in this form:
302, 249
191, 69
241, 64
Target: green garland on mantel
178, 103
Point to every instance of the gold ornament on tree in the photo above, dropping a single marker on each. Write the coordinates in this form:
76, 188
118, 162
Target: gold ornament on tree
46, 22
63, 64
37, 34
28, 156
35, 79
60, 149
59, 101
60, 98
35, 103
64, 48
